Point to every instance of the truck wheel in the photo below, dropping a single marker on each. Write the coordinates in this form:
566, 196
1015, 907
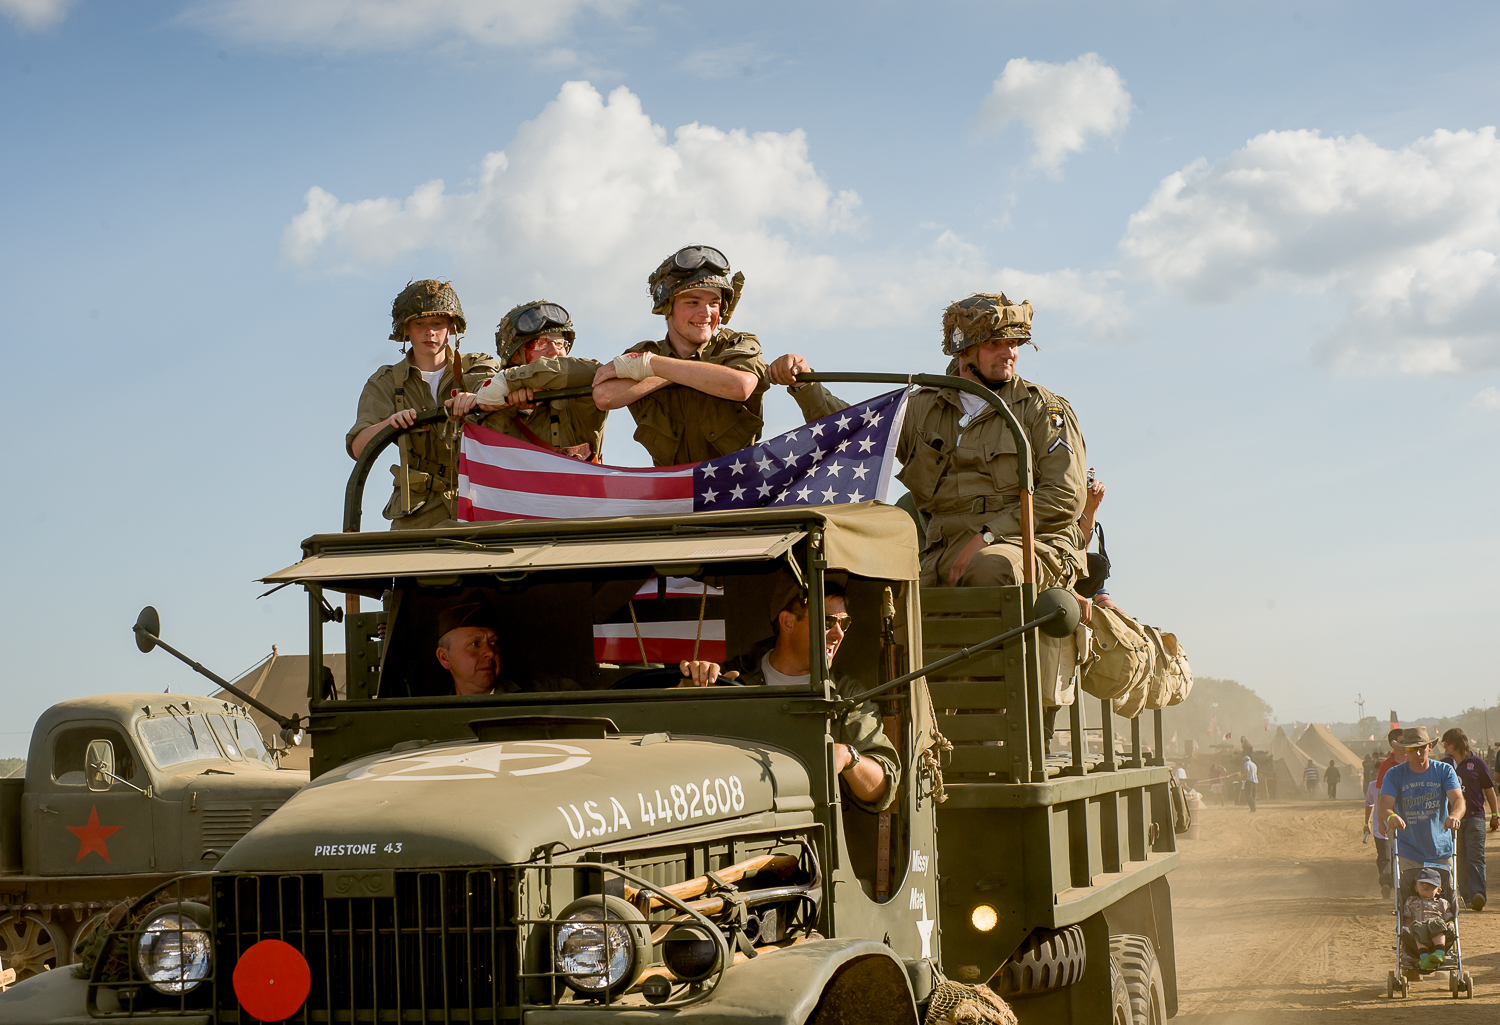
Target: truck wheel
1120, 1001
29, 945
1046, 961
1142, 973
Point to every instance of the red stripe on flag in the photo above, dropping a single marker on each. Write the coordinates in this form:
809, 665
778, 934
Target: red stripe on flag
658, 649
581, 485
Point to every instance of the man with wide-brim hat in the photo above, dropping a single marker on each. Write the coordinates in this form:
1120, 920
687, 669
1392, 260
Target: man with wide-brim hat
1420, 802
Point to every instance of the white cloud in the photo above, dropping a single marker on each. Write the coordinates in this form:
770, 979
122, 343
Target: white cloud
35, 15
365, 25
1408, 239
587, 198
1487, 400
1061, 105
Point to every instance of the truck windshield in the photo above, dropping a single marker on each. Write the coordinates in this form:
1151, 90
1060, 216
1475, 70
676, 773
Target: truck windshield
174, 739
235, 732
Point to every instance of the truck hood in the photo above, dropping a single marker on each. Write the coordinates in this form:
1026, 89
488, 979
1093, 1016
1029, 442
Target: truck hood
478, 803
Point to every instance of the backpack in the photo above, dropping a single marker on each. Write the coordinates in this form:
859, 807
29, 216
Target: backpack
1171, 677
1120, 661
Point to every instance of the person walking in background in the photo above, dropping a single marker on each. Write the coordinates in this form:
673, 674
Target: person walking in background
1331, 776
1479, 791
1375, 826
1396, 757
1251, 781
1310, 777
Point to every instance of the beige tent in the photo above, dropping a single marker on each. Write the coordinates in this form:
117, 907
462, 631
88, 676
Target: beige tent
282, 683
1287, 762
1319, 744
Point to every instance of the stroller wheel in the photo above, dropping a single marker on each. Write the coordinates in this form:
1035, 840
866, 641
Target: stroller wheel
1468, 986
1405, 988
1390, 985
1453, 984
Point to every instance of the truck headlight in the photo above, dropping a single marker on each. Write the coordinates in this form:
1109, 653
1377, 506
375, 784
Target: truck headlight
174, 951
600, 945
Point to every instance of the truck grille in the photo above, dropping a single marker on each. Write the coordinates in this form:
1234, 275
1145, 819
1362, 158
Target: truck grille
224, 825
436, 946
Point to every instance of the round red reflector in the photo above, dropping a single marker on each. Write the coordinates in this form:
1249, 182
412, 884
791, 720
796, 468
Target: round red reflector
272, 980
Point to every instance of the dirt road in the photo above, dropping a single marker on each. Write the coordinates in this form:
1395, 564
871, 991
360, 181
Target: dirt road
1279, 921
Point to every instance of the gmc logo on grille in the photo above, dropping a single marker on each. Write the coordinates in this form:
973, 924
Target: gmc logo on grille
359, 884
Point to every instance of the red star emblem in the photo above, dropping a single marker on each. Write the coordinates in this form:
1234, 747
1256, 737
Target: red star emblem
92, 836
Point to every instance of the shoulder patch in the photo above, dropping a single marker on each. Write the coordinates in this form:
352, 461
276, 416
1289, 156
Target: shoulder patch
1055, 415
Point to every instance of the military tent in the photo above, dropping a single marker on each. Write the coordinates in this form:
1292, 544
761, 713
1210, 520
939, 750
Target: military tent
1288, 760
1319, 744
281, 683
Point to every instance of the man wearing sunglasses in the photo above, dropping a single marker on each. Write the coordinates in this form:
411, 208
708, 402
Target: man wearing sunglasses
534, 342
696, 393
863, 756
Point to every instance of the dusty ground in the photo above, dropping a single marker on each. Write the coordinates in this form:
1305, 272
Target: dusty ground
1280, 922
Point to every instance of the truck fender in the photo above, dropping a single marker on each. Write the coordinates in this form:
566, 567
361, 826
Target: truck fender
819, 983
59, 997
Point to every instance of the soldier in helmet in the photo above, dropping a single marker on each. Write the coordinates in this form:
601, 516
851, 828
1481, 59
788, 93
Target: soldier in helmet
959, 456
426, 314
534, 342
696, 393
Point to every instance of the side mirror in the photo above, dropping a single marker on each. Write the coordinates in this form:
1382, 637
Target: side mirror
99, 765
147, 628
1052, 599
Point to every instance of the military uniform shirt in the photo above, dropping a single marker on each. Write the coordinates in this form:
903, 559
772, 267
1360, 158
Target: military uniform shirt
679, 425
429, 456
562, 423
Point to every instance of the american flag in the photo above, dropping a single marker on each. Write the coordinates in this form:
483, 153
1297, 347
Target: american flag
666, 624
847, 457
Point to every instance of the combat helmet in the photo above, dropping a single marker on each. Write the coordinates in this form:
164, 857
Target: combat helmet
983, 316
425, 298
694, 267
528, 321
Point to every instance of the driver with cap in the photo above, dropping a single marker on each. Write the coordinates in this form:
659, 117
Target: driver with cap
469, 648
695, 394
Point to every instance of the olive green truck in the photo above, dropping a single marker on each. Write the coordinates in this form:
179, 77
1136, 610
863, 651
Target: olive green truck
593, 843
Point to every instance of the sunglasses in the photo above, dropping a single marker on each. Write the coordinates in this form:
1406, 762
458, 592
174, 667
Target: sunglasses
539, 318
843, 622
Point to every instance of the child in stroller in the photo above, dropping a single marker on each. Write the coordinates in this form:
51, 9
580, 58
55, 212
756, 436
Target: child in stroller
1428, 921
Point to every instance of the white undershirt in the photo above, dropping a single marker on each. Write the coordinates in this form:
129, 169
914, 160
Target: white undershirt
432, 377
973, 406
777, 679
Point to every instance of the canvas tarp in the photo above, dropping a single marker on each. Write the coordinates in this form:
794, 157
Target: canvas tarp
1288, 760
282, 683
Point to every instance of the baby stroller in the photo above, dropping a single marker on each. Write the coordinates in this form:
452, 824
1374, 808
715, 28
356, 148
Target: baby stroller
1460, 982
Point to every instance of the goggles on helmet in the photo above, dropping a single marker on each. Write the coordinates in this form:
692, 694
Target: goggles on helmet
539, 318
690, 258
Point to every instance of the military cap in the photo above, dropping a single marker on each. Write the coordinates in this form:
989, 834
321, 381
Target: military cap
694, 267
467, 614
425, 298
983, 316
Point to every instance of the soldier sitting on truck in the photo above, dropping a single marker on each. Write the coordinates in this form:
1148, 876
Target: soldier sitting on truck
535, 342
469, 648
959, 458
864, 757
696, 393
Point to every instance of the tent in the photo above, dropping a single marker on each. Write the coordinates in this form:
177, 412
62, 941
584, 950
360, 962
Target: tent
282, 683
1287, 761
1319, 744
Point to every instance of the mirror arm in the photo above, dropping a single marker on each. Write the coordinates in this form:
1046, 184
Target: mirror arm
958, 656
284, 721
105, 772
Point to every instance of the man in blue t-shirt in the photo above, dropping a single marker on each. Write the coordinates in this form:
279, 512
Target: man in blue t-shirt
1420, 801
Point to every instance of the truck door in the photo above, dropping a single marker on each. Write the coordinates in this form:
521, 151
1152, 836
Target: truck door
82, 832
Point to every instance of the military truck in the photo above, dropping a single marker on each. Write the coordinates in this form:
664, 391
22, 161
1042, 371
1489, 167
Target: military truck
192, 777
617, 846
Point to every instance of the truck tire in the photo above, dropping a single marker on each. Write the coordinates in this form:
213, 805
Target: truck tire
1048, 960
1142, 974
1119, 996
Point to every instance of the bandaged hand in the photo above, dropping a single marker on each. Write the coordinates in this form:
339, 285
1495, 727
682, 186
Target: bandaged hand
492, 393
633, 366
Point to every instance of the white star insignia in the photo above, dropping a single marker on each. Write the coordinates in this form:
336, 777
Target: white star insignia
709, 470
842, 445
765, 464
817, 430
802, 495
829, 496
737, 466
791, 459
790, 437
710, 495
855, 496
860, 471
867, 445
764, 490
781, 497
875, 420
843, 422
818, 455
736, 494
834, 468
866, 416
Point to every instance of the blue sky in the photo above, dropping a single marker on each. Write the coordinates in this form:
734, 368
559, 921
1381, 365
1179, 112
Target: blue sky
1261, 241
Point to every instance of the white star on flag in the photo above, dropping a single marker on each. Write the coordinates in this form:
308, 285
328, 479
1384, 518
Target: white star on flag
710, 495
709, 469
806, 491
765, 463
834, 468
867, 444
860, 471
737, 466
736, 494
843, 422
855, 496
829, 496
